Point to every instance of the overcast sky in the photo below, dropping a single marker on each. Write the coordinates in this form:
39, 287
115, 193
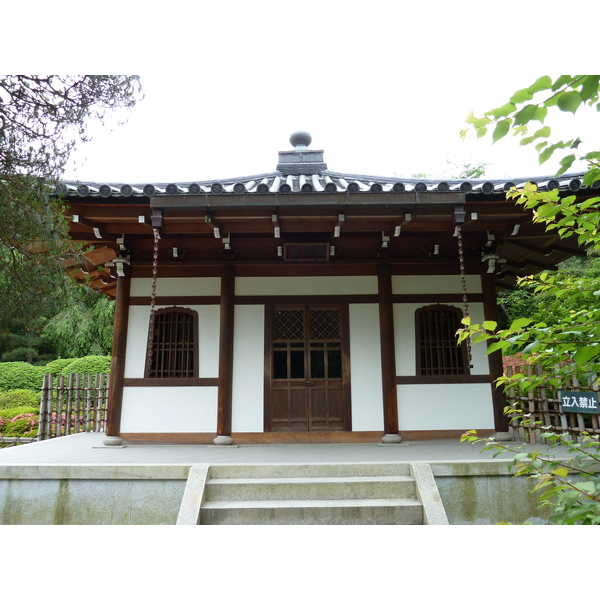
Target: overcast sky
383, 87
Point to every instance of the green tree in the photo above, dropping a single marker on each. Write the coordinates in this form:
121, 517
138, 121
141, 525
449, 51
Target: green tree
41, 120
84, 326
567, 342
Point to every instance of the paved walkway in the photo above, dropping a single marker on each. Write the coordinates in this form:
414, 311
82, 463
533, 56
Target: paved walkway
87, 448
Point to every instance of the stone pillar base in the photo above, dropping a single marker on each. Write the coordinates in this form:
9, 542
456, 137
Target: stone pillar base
223, 440
112, 440
391, 438
504, 436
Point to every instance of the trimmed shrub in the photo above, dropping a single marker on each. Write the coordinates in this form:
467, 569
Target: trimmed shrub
88, 364
25, 425
9, 413
20, 376
57, 366
19, 398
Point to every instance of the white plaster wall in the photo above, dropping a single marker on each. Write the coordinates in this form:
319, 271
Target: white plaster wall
248, 369
445, 406
299, 286
208, 333
365, 368
435, 284
404, 337
177, 286
169, 410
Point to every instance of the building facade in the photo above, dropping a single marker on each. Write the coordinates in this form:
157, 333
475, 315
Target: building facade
304, 304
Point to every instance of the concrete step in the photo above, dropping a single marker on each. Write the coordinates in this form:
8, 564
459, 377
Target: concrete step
310, 488
309, 470
312, 494
404, 511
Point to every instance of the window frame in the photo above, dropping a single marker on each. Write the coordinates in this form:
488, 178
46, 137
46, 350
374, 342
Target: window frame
459, 361
163, 312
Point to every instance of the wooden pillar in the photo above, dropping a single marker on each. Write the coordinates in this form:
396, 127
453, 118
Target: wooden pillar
490, 311
388, 353
117, 367
226, 355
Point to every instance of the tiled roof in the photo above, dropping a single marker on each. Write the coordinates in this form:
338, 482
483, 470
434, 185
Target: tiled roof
302, 171
329, 182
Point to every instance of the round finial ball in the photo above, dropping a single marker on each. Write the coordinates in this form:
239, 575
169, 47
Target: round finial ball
300, 138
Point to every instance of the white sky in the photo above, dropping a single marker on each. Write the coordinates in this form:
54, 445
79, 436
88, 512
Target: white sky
382, 87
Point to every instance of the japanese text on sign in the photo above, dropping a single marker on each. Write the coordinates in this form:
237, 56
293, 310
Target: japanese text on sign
578, 402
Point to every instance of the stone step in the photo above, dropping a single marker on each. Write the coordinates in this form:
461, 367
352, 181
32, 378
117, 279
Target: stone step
309, 470
311, 488
402, 511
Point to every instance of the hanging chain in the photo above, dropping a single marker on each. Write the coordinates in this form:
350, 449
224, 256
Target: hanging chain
152, 301
463, 281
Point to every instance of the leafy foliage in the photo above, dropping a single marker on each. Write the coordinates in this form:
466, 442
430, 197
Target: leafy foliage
89, 364
20, 376
570, 486
84, 326
566, 340
41, 119
19, 398
526, 112
57, 366
24, 424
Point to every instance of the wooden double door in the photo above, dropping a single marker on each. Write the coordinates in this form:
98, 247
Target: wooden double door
307, 370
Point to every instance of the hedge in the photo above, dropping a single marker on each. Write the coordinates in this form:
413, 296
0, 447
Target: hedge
20, 376
57, 366
89, 364
19, 398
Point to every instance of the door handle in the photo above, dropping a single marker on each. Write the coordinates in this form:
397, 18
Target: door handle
309, 382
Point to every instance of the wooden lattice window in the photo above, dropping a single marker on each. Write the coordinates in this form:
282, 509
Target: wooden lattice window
174, 344
437, 351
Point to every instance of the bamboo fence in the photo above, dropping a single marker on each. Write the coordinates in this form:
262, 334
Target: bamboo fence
72, 404
543, 405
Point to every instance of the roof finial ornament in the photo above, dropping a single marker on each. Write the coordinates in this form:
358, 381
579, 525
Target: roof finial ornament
300, 139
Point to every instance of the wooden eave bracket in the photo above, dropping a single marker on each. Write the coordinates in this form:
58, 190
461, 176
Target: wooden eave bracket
119, 263
217, 230
88, 223
337, 230
399, 224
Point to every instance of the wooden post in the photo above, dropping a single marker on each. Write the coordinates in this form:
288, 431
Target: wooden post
117, 366
490, 311
226, 355
388, 354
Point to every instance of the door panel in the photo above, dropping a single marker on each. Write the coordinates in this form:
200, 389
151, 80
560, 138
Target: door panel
307, 381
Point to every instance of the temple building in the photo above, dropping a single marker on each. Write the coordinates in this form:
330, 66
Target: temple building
303, 304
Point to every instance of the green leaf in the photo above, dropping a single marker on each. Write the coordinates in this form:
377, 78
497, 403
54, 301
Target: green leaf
585, 353
490, 325
589, 89
503, 111
542, 132
531, 347
566, 162
525, 114
521, 96
501, 130
540, 114
546, 154
543, 83
569, 101
498, 346
519, 324
591, 176
562, 80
